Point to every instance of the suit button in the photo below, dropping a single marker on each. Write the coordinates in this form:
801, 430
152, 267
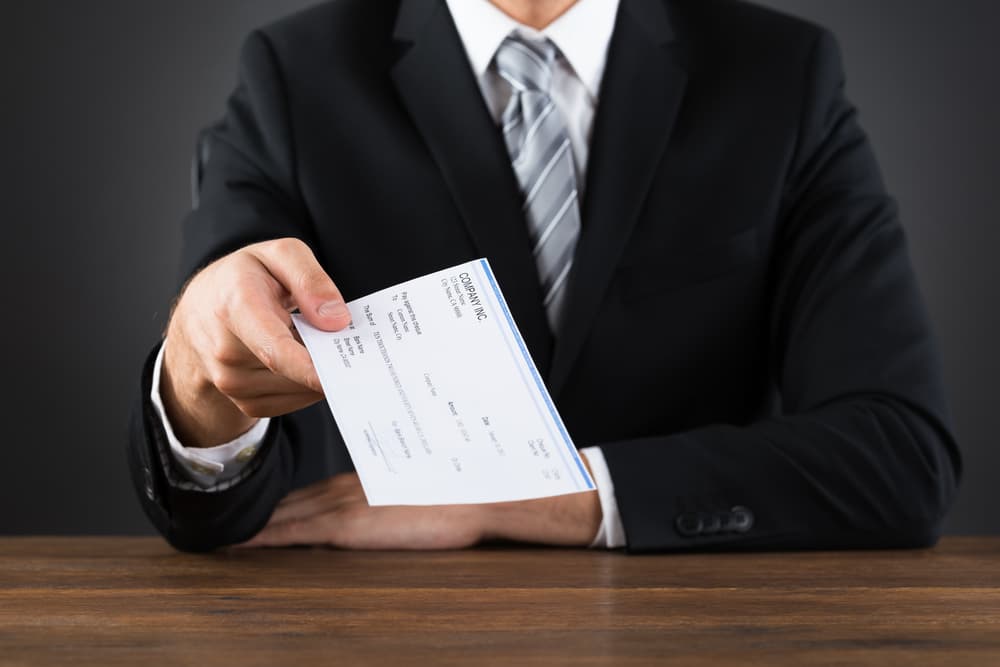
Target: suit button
741, 519
150, 493
689, 524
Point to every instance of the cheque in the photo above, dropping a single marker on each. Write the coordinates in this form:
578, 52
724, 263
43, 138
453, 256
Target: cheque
437, 398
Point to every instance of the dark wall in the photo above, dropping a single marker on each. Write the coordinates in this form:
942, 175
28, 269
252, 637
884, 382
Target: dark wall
100, 104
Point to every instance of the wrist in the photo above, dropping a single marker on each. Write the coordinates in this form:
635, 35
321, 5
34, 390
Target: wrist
570, 520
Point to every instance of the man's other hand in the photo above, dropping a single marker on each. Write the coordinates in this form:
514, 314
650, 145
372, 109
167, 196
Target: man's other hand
231, 355
335, 513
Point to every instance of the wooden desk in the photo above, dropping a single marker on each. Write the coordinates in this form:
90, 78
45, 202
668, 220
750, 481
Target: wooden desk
133, 602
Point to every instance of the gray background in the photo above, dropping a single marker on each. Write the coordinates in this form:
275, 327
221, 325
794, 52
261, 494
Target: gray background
100, 104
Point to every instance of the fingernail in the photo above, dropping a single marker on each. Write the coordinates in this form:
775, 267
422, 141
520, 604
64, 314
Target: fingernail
334, 309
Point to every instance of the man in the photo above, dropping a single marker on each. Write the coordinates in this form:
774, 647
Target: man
686, 220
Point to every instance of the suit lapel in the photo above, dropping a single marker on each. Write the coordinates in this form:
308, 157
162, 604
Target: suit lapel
640, 95
440, 92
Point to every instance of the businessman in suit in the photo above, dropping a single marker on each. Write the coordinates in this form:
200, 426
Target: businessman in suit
688, 224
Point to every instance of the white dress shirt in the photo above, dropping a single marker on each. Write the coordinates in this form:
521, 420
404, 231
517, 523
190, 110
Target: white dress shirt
581, 35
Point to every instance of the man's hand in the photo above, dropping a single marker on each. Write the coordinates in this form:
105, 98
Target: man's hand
231, 356
335, 513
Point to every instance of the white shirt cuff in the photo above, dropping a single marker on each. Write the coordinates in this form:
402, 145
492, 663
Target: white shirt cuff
611, 534
208, 466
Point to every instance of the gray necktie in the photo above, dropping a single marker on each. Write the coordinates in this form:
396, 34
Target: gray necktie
540, 151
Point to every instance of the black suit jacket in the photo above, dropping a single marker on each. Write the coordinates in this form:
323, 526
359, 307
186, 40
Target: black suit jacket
744, 335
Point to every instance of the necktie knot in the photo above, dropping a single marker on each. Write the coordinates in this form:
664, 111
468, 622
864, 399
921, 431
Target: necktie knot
526, 64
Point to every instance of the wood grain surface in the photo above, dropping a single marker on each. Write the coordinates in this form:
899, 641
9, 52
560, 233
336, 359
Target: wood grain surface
134, 601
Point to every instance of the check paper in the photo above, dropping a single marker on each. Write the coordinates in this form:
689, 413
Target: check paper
437, 398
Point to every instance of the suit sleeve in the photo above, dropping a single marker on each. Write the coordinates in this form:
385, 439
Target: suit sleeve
248, 195
861, 455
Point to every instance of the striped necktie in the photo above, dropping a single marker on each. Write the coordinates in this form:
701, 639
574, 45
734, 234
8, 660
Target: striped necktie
539, 147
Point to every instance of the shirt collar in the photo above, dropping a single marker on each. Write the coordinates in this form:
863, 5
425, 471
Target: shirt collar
582, 35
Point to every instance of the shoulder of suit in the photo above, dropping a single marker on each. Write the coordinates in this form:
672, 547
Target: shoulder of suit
737, 25
335, 23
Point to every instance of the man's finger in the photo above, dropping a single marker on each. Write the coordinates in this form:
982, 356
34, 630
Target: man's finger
342, 484
325, 496
290, 533
262, 326
262, 383
311, 491
293, 265
300, 510
276, 406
